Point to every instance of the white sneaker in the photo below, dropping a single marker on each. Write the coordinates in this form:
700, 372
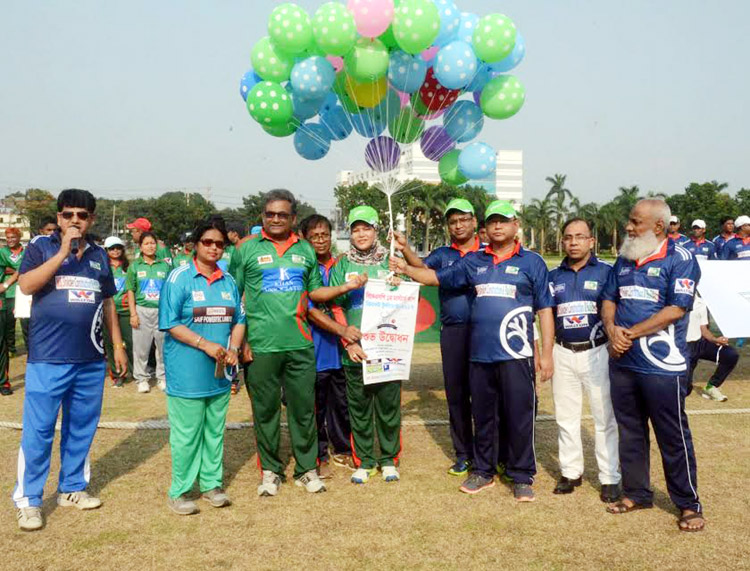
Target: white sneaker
362, 475
270, 484
311, 481
162, 385
713, 393
30, 519
143, 387
80, 500
390, 474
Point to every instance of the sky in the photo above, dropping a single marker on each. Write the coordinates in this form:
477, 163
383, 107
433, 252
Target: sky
132, 99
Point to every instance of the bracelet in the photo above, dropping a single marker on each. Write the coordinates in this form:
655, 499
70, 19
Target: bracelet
235, 349
118, 345
198, 342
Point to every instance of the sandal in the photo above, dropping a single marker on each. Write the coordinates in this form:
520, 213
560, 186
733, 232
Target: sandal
687, 518
622, 508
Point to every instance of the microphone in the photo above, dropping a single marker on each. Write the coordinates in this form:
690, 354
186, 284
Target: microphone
74, 246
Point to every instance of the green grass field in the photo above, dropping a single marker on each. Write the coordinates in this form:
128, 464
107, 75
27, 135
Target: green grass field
422, 522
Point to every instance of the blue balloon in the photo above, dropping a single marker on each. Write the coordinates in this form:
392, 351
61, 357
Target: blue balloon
481, 78
515, 57
337, 122
407, 72
466, 26
313, 77
369, 124
304, 109
450, 18
312, 141
464, 121
329, 102
455, 65
387, 109
248, 81
477, 161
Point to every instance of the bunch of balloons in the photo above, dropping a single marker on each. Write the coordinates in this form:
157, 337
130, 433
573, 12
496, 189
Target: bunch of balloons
385, 68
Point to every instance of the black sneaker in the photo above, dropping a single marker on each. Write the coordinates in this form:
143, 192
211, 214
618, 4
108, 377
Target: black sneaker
475, 483
611, 493
6, 391
566, 485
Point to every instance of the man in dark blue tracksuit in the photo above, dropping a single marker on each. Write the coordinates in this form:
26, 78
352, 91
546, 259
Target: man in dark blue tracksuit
646, 300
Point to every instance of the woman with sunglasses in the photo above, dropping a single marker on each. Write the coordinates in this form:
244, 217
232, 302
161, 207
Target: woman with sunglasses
145, 278
202, 314
118, 263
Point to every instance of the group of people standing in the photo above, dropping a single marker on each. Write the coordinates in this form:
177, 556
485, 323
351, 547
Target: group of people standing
281, 305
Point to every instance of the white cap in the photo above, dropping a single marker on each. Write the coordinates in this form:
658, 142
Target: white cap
113, 241
673, 219
699, 223
741, 221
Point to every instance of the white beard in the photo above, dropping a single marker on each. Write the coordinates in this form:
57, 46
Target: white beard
639, 247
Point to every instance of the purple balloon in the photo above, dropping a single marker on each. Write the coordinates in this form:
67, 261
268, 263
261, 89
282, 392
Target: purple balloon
436, 143
478, 97
383, 154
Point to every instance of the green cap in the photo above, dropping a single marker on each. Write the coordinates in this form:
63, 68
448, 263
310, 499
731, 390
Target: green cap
460, 204
500, 208
364, 214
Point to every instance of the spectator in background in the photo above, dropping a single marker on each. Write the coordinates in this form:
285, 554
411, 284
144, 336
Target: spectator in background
10, 257
185, 256
726, 234
738, 248
235, 232
674, 231
118, 263
140, 225
701, 248
48, 227
146, 276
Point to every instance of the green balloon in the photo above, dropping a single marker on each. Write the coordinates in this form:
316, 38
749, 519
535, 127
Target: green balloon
416, 24
502, 97
290, 29
334, 29
282, 130
388, 38
494, 38
270, 63
406, 127
368, 60
339, 88
448, 169
270, 105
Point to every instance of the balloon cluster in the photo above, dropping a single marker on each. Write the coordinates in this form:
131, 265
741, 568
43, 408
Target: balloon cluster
384, 68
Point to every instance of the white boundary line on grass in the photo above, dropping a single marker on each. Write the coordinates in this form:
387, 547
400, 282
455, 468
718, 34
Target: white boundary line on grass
164, 424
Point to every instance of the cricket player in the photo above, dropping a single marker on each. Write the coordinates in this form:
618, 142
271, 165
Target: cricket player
701, 248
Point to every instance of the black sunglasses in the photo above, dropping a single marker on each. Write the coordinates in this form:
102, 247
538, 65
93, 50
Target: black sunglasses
68, 215
207, 242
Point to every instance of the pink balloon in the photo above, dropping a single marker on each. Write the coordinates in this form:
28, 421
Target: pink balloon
430, 53
372, 17
404, 97
337, 62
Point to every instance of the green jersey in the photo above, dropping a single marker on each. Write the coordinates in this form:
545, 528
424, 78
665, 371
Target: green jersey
182, 259
146, 280
9, 263
120, 298
275, 279
353, 302
162, 253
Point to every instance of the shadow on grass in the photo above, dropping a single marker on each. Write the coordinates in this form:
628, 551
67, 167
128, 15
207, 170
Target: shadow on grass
428, 378
239, 447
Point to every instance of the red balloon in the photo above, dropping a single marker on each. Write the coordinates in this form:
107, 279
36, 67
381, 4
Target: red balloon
435, 96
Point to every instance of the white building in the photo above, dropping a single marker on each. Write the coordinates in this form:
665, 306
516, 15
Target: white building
10, 219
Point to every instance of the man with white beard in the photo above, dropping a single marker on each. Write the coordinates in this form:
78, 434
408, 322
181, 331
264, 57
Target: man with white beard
649, 292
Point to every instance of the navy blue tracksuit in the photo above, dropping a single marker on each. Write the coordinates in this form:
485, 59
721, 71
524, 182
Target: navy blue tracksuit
648, 381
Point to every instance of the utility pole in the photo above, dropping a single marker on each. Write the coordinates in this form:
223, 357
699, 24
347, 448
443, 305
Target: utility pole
114, 211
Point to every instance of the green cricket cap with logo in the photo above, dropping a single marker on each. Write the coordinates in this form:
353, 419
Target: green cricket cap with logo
461, 205
500, 208
365, 214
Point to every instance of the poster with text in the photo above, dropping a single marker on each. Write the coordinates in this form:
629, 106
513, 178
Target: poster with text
389, 319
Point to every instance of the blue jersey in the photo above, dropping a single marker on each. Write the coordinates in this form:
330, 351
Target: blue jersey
66, 314
701, 250
455, 304
678, 238
720, 241
327, 356
736, 249
508, 292
210, 307
578, 299
641, 290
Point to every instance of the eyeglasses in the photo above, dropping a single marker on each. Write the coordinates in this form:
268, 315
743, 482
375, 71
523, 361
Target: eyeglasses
279, 215
207, 242
576, 238
319, 237
68, 215
461, 221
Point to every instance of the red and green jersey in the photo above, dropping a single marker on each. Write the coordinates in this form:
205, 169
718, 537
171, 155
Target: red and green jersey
9, 263
146, 280
120, 298
162, 253
352, 303
275, 279
226, 257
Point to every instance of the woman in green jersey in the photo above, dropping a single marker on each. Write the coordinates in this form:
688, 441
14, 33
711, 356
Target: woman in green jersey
367, 256
118, 263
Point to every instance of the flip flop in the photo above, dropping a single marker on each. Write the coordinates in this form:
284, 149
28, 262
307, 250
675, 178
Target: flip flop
623, 508
686, 519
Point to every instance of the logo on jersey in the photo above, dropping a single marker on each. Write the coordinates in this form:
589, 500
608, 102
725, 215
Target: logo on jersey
513, 270
639, 293
496, 290
97, 330
264, 260
119, 284
298, 259
590, 285
673, 361
576, 308
349, 276
654, 272
481, 271
559, 288
576, 322
226, 295
81, 296
161, 275
76, 282
151, 289
95, 265
743, 255
684, 286
141, 274
199, 296
211, 315
625, 271
283, 280
514, 332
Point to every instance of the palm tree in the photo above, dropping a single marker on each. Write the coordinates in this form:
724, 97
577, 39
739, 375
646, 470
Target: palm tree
538, 214
558, 194
609, 221
627, 198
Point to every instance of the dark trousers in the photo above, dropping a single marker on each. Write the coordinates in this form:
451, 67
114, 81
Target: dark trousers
725, 358
454, 346
636, 399
332, 413
503, 399
10, 325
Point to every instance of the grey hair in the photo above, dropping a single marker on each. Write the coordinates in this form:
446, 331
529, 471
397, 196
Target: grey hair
659, 209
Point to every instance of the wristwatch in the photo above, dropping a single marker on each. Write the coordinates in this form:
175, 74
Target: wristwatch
235, 349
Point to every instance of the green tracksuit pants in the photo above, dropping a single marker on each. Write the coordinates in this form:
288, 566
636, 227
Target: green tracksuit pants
265, 377
196, 440
127, 338
384, 400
